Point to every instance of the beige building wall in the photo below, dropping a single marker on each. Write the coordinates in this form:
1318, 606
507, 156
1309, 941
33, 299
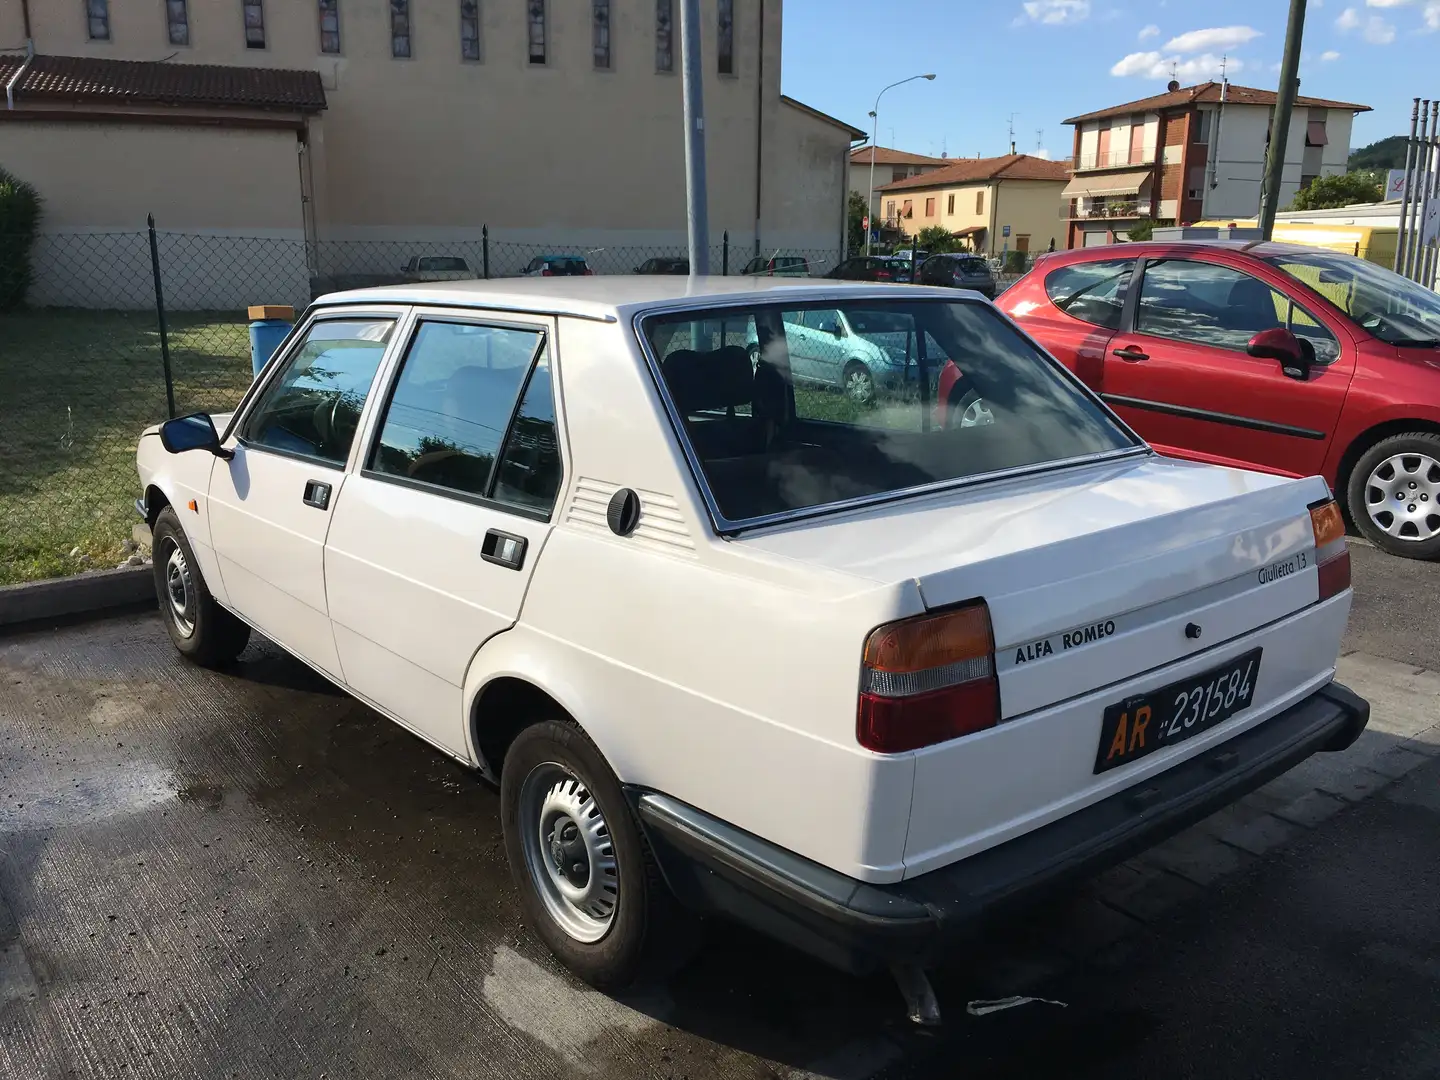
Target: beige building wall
435, 146
1031, 208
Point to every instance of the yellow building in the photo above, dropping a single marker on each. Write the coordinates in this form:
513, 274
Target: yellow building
992, 204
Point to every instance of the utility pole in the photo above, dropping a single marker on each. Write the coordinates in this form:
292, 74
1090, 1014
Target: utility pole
1284, 106
697, 209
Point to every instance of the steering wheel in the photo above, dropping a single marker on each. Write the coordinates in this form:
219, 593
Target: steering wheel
326, 421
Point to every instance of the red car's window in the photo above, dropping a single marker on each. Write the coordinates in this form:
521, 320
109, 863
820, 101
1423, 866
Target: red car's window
1092, 292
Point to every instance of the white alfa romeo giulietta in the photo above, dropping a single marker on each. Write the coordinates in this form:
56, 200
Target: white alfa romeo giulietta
860, 671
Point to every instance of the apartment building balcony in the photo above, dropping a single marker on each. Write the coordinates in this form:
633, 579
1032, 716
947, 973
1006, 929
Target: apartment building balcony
1110, 195
1116, 159
1083, 210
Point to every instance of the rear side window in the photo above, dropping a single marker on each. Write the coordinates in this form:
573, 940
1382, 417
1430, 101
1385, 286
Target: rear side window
1092, 292
313, 407
452, 407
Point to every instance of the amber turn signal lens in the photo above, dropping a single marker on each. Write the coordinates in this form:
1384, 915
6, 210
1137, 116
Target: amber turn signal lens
930, 642
1327, 524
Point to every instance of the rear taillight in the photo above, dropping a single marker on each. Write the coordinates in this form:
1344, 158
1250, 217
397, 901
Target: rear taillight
928, 679
1332, 555
587, 272
546, 272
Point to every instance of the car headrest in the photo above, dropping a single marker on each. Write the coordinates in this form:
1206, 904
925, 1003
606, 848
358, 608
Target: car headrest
709, 380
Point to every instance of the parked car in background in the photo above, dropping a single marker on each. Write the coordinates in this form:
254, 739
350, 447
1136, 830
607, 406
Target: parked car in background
1295, 360
557, 266
776, 266
731, 643
958, 271
668, 264
437, 268
864, 268
858, 351
901, 268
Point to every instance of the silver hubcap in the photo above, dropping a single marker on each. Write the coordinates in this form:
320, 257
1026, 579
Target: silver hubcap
859, 385
179, 590
1402, 496
568, 851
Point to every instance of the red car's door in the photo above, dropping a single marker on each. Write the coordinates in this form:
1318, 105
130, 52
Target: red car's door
1073, 310
1178, 371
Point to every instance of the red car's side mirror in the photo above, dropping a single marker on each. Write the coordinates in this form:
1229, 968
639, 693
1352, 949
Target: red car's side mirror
1280, 344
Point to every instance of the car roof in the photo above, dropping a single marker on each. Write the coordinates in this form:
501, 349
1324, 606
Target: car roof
1261, 249
618, 296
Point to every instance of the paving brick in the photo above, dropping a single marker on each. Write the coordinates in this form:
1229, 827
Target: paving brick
1404, 700
1260, 835
1197, 856
1081, 926
1311, 809
1142, 891
1427, 742
1355, 785
1398, 761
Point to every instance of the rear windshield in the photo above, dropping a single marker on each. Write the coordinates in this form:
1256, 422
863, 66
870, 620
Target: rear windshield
788, 407
566, 266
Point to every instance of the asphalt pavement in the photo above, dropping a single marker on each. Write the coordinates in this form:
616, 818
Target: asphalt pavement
249, 874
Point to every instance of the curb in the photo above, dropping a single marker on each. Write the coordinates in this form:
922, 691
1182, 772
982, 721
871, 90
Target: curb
87, 594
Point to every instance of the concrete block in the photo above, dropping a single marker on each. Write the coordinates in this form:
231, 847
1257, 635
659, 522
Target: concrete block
92, 593
141, 535
1197, 856
1398, 761
1311, 809
1260, 835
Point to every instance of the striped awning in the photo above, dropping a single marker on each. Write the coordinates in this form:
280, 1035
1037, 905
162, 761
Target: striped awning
1129, 182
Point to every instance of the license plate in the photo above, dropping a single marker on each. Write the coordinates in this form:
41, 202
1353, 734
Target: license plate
1156, 719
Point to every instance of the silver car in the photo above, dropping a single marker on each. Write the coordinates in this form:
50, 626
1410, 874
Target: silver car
828, 348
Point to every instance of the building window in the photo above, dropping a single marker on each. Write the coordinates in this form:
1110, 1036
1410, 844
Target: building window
907, 210
600, 32
97, 19
1195, 188
1203, 119
950, 205
1315, 133
469, 29
254, 24
177, 22
329, 26
664, 35
400, 29
890, 210
535, 28
726, 37
929, 207
979, 202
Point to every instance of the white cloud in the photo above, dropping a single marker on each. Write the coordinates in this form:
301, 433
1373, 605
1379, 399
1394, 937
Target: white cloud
1147, 32
1216, 37
1432, 15
1157, 65
1329, 55
1373, 28
1386, 3
1057, 12
1042, 153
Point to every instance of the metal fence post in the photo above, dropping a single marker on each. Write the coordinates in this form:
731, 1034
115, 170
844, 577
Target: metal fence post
160, 312
485, 249
1400, 237
725, 253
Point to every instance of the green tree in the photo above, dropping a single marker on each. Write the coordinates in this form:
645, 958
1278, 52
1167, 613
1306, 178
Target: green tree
19, 220
856, 218
1345, 189
1142, 230
935, 239
1386, 154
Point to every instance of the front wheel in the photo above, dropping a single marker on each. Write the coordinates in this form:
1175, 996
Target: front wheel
1394, 495
859, 383
199, 627
588, 883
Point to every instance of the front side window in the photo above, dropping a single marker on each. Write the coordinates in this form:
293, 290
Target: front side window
726, 38
312, 408
469, 29
797, 407
400, 29
1092, 292
329, 26
254, 14
1392, 308
177, 22
664, 35
535, 29
600, 32
452, 405
97, 19
1208, 304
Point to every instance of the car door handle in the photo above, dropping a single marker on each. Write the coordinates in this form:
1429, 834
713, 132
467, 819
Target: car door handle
317, 494
503, 549
1131, 354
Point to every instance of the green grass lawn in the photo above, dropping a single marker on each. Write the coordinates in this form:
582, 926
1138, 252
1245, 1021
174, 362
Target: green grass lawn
76, 389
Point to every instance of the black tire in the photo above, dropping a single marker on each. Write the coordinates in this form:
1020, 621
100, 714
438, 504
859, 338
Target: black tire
201, 629
1416, 446
861, 393
647, 935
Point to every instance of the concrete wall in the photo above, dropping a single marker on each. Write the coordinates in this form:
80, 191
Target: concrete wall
435, 146
1240, 157
1031, 208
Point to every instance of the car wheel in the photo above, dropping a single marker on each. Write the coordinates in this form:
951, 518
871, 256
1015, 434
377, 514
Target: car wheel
200, 628
588, 882
1394, 495
858, 383
753, 351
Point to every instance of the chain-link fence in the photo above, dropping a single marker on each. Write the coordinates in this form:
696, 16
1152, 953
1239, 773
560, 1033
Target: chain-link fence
85, 365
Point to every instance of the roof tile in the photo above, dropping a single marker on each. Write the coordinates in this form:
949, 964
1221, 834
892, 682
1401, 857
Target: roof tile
972, 170
1209, 93
884, 155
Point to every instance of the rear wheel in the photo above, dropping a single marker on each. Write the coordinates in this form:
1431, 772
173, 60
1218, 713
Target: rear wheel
1394, 495
199, 627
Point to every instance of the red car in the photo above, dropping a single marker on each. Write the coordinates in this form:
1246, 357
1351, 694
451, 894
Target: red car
1288, 359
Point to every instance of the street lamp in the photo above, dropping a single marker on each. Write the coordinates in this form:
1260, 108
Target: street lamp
875, 134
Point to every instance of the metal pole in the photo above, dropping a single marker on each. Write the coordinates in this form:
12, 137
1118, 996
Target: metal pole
697, 213
1284, 106
870, 215
160, 312
725, 253
1412, 247
485, 249
1422, 257
1405, 198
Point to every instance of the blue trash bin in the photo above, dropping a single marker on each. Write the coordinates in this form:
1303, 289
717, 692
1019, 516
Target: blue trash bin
269, 323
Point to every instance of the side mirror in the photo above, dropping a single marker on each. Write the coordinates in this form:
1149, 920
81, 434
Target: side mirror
1281, 345
194, 432
833, 329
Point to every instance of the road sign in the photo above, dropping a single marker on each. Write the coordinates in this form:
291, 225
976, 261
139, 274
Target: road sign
1004, 230
1395, 184
866, 223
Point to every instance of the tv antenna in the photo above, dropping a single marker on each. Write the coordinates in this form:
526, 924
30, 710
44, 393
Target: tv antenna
1012, 131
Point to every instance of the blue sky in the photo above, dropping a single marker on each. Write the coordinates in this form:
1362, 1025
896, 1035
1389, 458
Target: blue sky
1044, 60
